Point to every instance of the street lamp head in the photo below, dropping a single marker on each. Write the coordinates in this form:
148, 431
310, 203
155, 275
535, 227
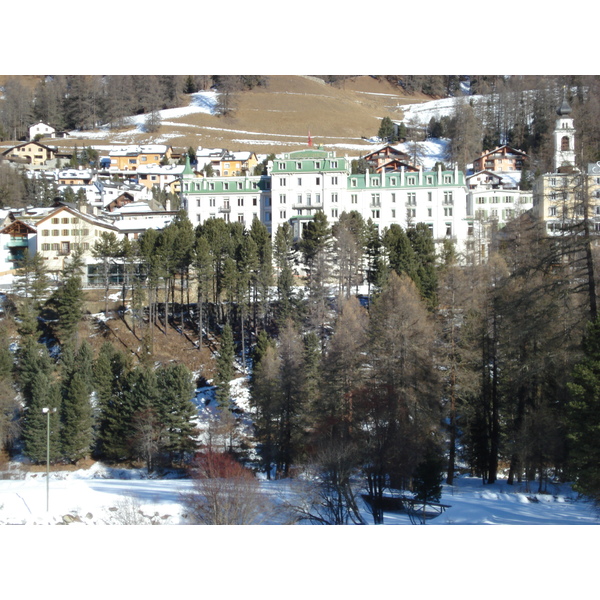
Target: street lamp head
48, 410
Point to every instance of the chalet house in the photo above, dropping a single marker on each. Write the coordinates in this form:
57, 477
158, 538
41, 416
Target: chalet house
32, 153
129, 158
15, 239
503, 158
484, 180
384, 155
394, 165
42, 130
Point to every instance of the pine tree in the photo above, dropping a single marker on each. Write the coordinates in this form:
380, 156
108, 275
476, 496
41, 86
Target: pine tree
176, 409
44, 394
225, 369
584, 416
76, 420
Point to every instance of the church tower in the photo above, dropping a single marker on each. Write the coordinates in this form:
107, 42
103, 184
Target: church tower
564, 139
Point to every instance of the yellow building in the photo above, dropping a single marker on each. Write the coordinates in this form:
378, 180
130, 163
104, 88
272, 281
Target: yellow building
129, 158
32, 153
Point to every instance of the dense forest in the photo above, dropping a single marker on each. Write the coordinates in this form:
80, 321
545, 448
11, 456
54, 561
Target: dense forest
435, 369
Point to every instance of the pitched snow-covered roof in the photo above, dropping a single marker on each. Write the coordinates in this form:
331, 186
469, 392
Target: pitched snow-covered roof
135, 150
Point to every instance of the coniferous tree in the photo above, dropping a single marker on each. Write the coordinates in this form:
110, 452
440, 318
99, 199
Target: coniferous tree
225, 369
76, 420
176, 409
584, 416
44, 394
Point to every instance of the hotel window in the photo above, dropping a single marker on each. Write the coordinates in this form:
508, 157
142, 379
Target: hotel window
281, 198
282, 165
334, 164
334, 197
299, 198
334, 212
317, 198
411, 181
226, 186
240, 218
45, 232
334, 181
255, 201
447, 212
411, 213
298, 165
282, 181
317, 165
393, 181
45, 247
354, 198
299, 180
318, 181
65, 221
86, 232
74, 220
393, 197
393, 213
353, 183
240, 202
375, 214
198, 202
282, 214
55, 232
411, 198
212, 201
429, 212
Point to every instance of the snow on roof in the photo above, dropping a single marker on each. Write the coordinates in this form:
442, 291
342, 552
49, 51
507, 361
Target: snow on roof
161, 169
145, 149
143, 223
139, 206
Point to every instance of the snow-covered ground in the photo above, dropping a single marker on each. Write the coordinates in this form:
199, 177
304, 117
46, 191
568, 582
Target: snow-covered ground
101, 496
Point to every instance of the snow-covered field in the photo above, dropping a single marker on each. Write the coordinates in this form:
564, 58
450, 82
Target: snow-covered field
104, 496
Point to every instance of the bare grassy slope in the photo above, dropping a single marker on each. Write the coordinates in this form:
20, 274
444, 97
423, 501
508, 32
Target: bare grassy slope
279, 116
276, 118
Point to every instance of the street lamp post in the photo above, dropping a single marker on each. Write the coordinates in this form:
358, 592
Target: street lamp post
47, 411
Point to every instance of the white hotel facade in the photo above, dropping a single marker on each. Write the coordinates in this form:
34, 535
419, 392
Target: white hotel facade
299, 184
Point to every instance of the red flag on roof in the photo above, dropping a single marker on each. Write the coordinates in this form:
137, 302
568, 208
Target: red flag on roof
309, 139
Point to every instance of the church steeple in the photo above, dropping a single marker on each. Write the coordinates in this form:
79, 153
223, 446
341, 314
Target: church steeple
564, 109
564, 137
